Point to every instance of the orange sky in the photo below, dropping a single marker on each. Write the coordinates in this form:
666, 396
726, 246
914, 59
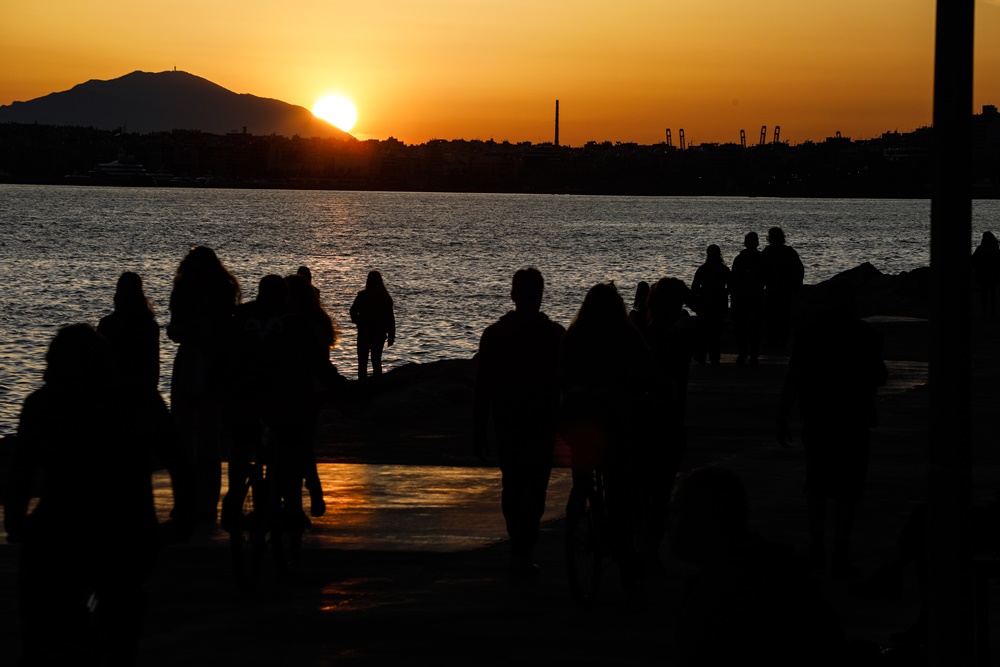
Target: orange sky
481, 69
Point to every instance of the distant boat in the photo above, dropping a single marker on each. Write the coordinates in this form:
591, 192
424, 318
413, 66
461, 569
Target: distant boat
117, 172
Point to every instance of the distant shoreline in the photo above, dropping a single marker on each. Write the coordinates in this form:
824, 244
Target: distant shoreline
893, 166
332, 186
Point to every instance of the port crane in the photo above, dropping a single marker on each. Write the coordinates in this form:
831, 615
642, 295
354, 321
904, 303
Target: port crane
777, 131
743, 138
763, 135
683, 146
670, 139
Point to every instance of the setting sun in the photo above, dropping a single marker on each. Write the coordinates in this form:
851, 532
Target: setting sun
337, 110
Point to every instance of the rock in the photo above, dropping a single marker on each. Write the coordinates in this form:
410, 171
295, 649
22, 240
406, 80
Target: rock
408, 408
906, 294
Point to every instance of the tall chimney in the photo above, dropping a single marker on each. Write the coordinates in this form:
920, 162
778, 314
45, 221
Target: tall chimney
557, 122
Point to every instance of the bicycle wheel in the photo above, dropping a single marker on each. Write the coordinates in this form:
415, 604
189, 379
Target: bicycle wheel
585, 543
247, 539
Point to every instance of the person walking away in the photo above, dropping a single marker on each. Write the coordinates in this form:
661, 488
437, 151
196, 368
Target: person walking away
87, 443
312, 335
257, 371
834, 373
671, 337
746, 289
517, 388
202, 302
606, 376
373, 314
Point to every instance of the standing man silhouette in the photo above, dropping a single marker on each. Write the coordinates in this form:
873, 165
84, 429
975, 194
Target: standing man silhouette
746, 289
517, 386
783, 275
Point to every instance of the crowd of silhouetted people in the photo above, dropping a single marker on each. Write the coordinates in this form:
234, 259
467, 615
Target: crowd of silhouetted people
248, 377
613, 385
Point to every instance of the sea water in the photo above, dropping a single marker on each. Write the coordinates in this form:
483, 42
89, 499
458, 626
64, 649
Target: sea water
447, 259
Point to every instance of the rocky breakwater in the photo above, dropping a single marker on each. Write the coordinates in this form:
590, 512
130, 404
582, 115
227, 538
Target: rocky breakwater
897, 305
416, 413
422, 413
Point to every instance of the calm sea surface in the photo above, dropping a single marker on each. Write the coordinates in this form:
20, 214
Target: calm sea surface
447, 258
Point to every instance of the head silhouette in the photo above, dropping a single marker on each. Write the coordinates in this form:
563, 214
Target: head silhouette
713, 254
602, 308
751, 240
374, 281
129, 297
989, 240
666, 300
775, 236
526, 289
272, 291
641, 295
305, 273
300, 295
709, 515
201, 262
303, 300
78, 354
201, 269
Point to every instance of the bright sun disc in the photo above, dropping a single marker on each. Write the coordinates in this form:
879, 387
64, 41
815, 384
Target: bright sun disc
337, 110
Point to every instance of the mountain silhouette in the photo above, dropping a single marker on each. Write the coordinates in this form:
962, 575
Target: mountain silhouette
163, 101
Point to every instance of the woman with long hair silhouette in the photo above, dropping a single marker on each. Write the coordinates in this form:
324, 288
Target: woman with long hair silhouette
202, 302
133, 333
372, 313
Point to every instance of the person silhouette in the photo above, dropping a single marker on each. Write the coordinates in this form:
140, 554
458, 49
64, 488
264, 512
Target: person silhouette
751, 600
671, 338
783, 274
133, 333
746, 288
986, 269
639, 315
312, 335
606, 377
710, 291
834, 372
257, 379
372, 313
90, 440
202, 302
306, 273
517, 389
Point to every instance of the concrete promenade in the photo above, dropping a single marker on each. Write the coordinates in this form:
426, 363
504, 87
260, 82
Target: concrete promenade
390, 578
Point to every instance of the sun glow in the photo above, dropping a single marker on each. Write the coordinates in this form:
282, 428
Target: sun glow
337, 110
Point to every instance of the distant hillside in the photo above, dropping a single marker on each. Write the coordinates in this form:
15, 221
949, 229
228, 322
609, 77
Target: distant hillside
163, 101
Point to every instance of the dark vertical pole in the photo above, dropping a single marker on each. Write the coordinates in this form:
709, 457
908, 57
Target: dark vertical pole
950, 595
557, 122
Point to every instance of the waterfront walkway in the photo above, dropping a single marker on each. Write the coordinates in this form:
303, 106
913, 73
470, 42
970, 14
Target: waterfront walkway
410, 565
